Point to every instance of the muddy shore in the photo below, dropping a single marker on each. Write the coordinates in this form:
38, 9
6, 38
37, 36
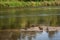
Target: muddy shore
42, 28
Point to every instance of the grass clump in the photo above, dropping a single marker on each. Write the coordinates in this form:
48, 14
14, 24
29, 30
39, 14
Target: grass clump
29, 4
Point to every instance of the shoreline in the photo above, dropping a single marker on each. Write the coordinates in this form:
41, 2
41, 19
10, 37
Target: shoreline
34, 29
31, 8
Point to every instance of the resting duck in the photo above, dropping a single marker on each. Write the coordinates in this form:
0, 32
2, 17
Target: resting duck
40, 28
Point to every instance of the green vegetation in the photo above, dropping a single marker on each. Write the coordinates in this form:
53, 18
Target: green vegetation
28, 3
23, 19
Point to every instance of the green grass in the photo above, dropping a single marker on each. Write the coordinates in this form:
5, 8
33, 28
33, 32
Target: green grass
29, 4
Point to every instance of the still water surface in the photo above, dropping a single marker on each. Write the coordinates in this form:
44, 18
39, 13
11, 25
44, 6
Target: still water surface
24, 17
41, 36
51, 35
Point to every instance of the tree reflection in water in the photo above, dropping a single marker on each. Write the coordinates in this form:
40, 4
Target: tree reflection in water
51, 34
9, 35
26, 35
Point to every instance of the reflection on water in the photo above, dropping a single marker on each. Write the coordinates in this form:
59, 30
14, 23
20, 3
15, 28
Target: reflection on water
51, 35
6, 35
25, 17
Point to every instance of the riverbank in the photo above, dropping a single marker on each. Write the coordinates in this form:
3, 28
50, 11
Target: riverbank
42, 28
12, 9
20, 4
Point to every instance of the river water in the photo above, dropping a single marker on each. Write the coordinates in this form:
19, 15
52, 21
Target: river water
43, 35
21, 18
52, 35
